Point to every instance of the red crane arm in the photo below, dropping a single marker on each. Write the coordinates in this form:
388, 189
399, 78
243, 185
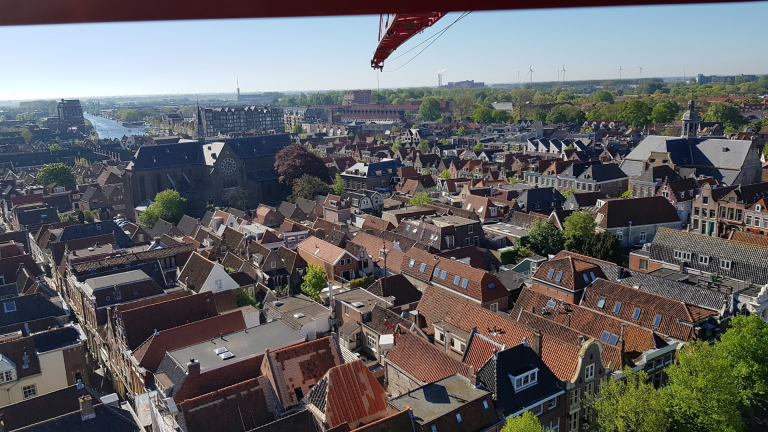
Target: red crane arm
399, 28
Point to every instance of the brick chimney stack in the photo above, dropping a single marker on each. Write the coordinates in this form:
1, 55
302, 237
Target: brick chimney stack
536, 342
193, 367
86, 408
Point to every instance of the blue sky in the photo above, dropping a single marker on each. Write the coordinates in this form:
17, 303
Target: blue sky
334, 53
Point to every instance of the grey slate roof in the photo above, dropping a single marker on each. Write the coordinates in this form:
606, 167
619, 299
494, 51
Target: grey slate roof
167, 156
79, 231
747, 260
30, 308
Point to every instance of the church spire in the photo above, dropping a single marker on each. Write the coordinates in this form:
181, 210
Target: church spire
690, 120
200, 126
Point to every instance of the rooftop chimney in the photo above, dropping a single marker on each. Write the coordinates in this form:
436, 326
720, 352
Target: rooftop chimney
536, 342
621, 338
193, 367
86, 408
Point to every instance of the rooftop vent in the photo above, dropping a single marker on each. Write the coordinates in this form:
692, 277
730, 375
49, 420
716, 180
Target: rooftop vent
299, 315
357, 304
221, 350
278, 303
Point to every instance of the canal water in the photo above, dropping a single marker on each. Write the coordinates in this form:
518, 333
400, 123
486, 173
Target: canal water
107, 128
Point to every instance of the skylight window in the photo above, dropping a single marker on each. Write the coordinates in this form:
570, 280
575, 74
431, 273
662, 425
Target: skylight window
592, 275
636, 313
559, 276
480, 210
657, 320
435, 272
443, 274
469, 206
551, 273
456, 280
411, 263
464, 283
422, 267
586, 278
617, 307
609, 338
601, 303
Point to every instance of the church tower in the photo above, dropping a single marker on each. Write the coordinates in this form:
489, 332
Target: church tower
200, 126
238, 89
690, 121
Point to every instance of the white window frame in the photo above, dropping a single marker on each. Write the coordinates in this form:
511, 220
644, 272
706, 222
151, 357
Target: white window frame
682, 255
725, 264
704, 260
531, 377
29, 391
589, 372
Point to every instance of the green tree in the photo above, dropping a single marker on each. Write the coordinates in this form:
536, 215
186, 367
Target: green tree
745, 346
445, 174
478, 146
579, 224
423, 146
500, 116
540, 116
514, 255
603, 245
314, 281
665, 112
636, 113
240, 198
630, 405
168, 206
702, 394
55, 147
57, 173
482, 114
297, 129
420, 198
338, 185
88, 216
602, 96
429, 109
726, 113
461, 131
626, 194
396, 146
307, 187
81, 217
527, 422
463, 106
27, 135
544, 238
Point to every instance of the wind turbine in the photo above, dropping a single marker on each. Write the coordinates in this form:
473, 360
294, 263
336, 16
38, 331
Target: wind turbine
530, 72
620, 69
563, 73
641, 71
558, 76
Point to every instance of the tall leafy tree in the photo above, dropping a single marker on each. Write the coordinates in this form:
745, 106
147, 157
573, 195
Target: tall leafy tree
240, 198
482, 114
461, 131
168, 206
544, 238
478, 146
745, 346
297, 129
429, 109
423, 146
296, 160
726, 113
602, 96
665, 112
309, 186
314, 281
527, 422
57, 173
463, 106
603, 245
579, 224
446, 174
338, 185
702, 394
630, 405
500, 116
636, 113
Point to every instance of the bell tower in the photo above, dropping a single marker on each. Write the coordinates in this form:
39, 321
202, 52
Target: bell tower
690, 120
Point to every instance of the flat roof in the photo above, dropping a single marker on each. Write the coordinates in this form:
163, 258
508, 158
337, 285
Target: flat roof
506, 229
122, 278
242, 344
439, 398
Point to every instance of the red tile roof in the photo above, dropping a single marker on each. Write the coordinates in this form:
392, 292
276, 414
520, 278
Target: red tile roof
313, 246
573, 272
353, 396
422, 360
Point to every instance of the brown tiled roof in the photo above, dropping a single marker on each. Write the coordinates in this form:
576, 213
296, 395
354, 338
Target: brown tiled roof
321, 249
300, 363
750, 238
373, 244
17, 350
397, 286
573, 272
376, 224
592, 324
196, 271
9, 267
480, 285
232, 238
420, 359
152, 351
150, 255
214, 379
480, 349
674, 313
232, 261
141, 322
349, 394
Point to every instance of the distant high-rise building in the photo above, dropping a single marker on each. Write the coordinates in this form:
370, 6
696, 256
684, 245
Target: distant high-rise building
464, 84
723, 79
71, 112
357, 97
228, 121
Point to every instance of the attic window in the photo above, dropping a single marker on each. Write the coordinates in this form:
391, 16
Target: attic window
592, 275
551, 273
464, 283
636, 313
656, 320
491, 285
411, 263
586, 278
559, 276
443, 274
456, 280
601, 302
9, 306
469, 206
617, 307
422, 267
436, 272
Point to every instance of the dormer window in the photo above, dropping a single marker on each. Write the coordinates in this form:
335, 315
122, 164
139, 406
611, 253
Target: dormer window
526, 380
